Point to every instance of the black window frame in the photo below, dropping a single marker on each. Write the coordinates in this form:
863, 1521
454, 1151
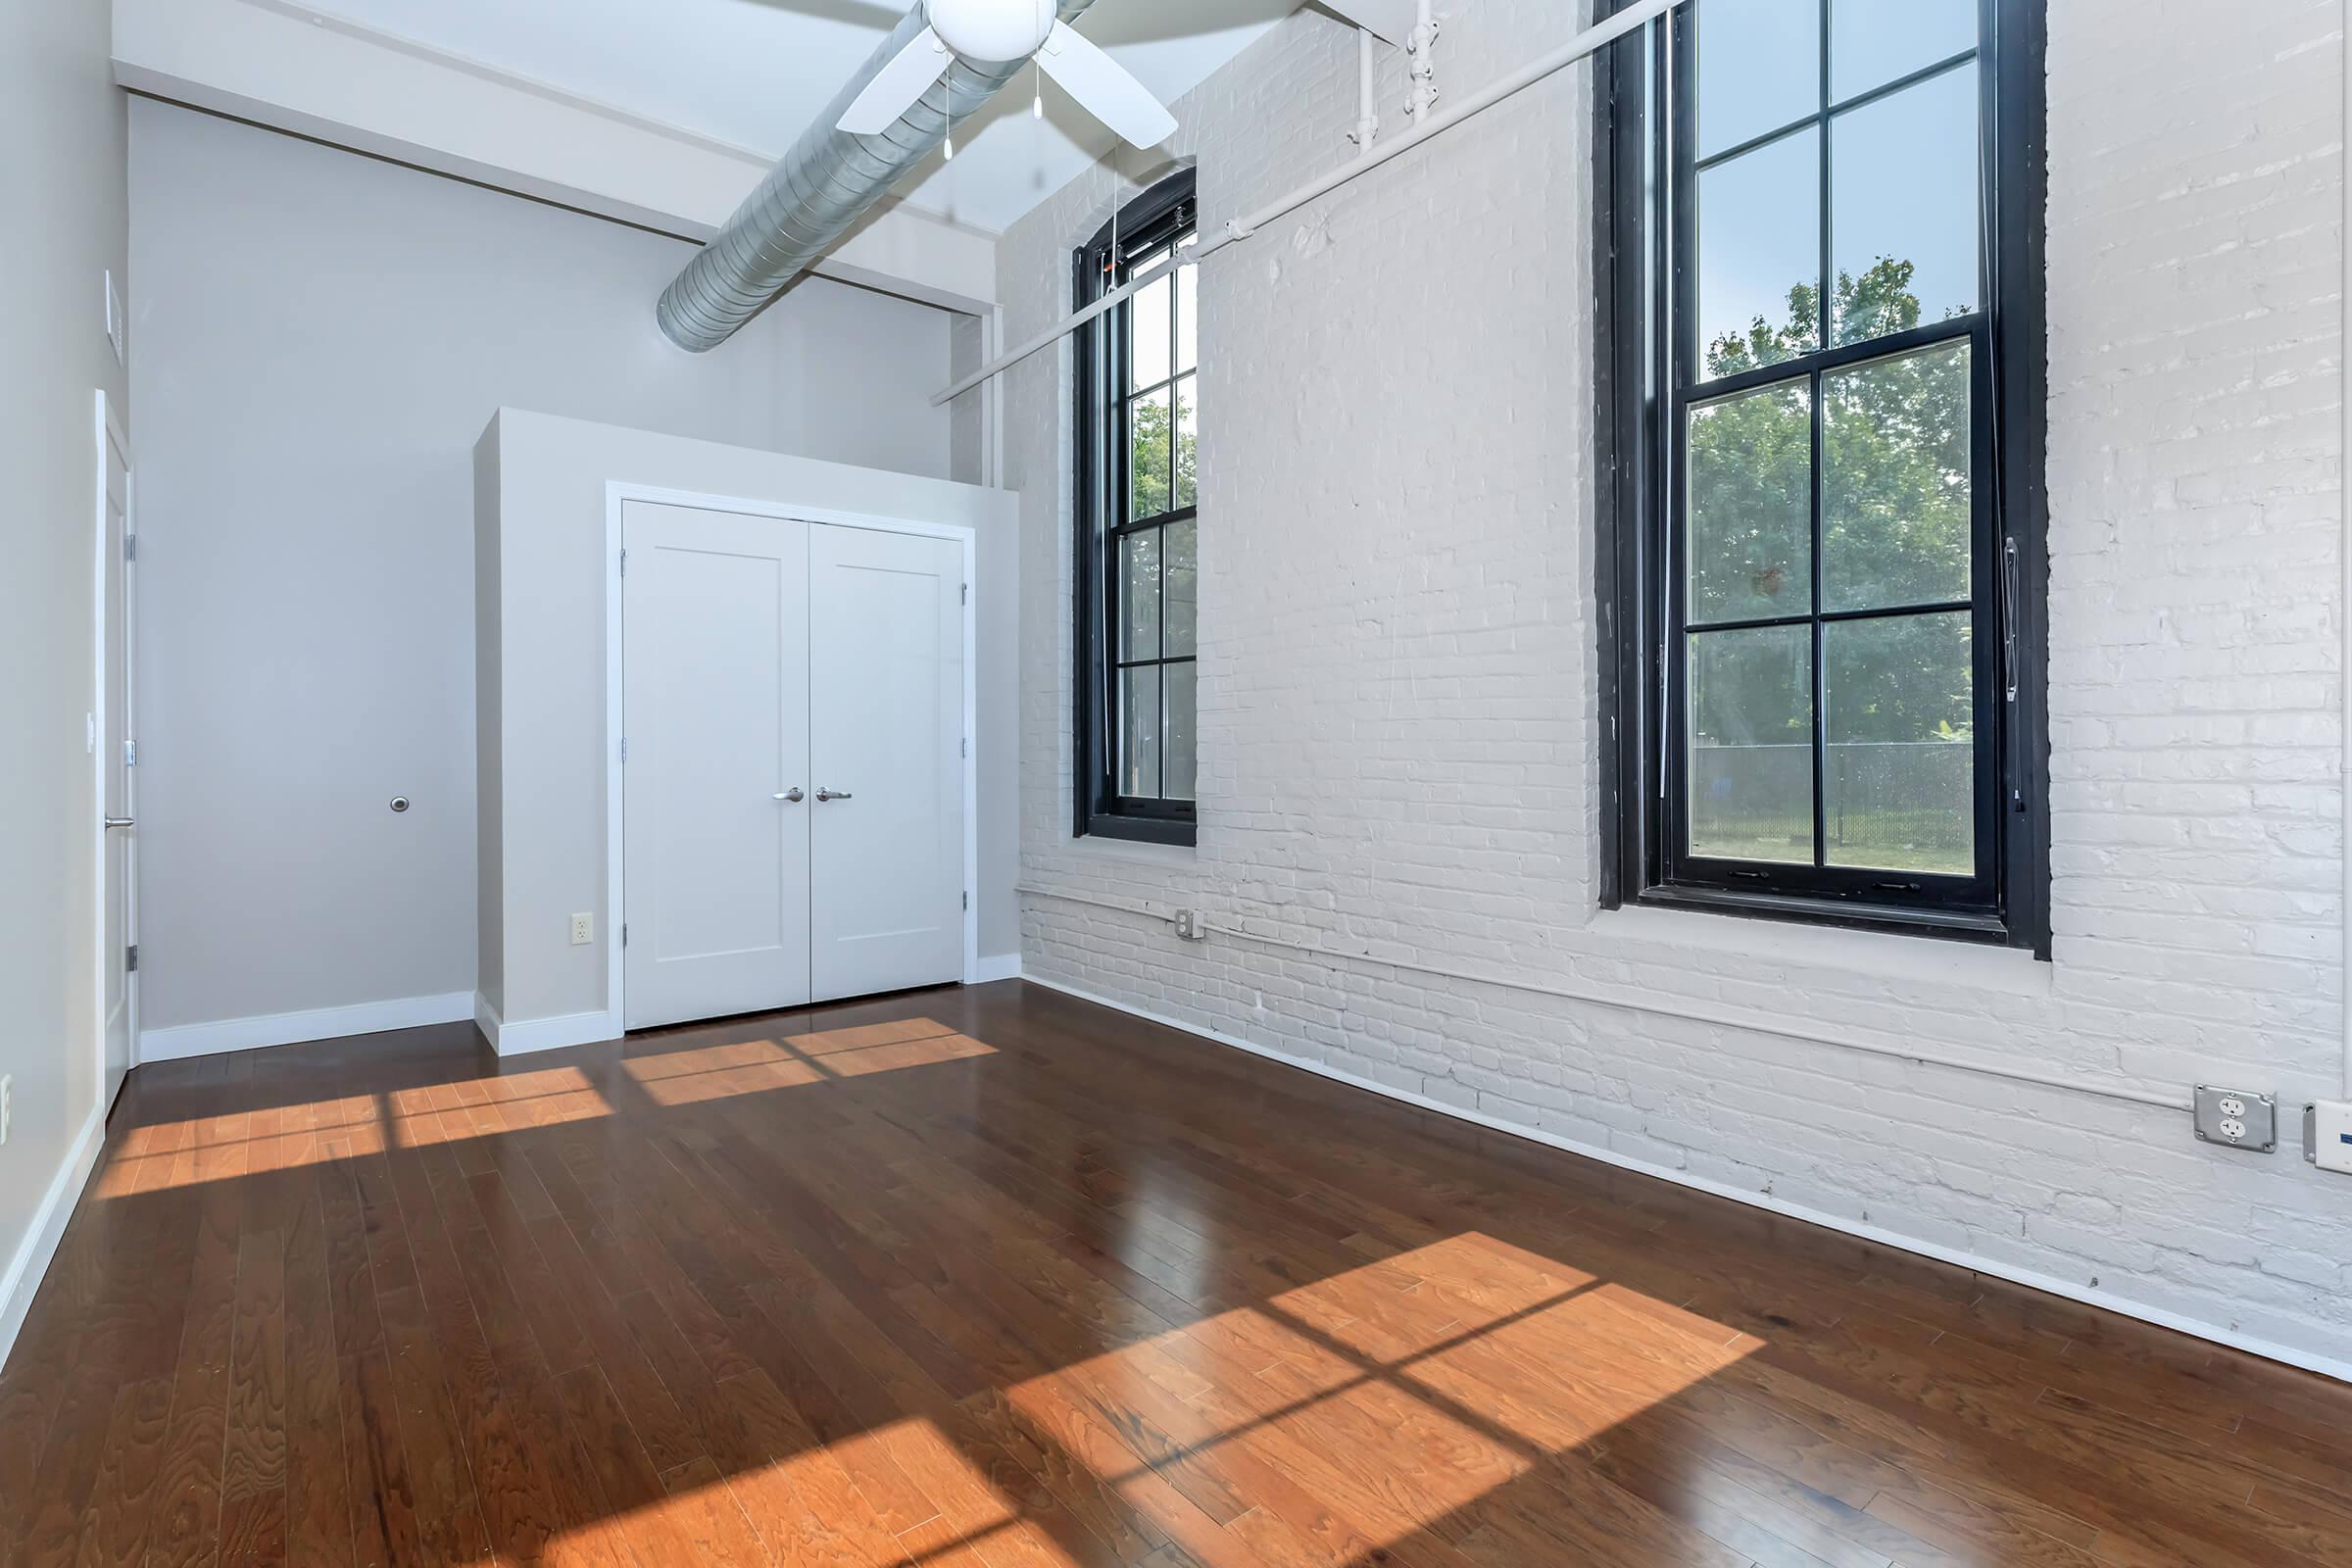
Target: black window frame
1644, 394
1161, 217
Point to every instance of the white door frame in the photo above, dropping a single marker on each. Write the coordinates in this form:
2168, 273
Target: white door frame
108, 432
617, 494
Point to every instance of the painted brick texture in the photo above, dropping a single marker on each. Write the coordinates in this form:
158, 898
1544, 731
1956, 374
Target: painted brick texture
1399, 719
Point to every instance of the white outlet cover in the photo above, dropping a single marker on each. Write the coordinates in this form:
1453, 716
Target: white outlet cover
2328, 1134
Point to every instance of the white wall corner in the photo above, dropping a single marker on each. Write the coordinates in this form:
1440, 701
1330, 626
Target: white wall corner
1001, 966
30, 1266
535, 1034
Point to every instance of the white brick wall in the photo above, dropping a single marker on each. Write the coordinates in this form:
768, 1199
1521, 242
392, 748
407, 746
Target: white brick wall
1398, 702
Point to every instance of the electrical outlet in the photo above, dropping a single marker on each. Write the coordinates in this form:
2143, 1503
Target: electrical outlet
2328, 1134
583, 930
1189, 926
8, 1104
2237, 1119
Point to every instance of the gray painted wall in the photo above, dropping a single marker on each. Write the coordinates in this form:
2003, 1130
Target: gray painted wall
321, 338
62, 121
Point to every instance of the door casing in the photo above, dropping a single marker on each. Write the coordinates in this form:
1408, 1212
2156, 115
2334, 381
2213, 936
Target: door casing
617, 494
109, 440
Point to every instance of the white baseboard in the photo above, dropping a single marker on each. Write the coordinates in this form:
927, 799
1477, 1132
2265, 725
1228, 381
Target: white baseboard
31, 1263
294, 1028
542, 1034
2309, 1360
1004, 966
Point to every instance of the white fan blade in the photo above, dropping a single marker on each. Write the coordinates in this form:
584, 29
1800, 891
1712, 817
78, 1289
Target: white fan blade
897, 87
1103, 89
1389, 21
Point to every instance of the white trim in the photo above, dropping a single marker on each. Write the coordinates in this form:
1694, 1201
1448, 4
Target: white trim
187, 1040
109, 433
2310, 1361
1004, 966
38, 1249
617, 494
543, 1034
2343, 607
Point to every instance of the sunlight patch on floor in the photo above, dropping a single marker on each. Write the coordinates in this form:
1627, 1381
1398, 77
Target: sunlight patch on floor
754, 1066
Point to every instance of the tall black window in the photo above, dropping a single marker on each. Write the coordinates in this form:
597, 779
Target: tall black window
1137, 530
1823, 415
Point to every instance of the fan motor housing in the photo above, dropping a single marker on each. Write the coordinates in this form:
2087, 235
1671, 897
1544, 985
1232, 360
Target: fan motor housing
993, 29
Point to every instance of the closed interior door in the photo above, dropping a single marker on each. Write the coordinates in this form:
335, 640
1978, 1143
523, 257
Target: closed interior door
120, 857
886, 739
716, 816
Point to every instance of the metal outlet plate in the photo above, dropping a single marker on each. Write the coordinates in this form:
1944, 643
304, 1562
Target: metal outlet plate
2237, 1119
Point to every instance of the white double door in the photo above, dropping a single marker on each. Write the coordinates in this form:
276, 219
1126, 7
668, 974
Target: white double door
793, 821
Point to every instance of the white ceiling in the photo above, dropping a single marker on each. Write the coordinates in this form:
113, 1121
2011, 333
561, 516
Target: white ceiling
756, 72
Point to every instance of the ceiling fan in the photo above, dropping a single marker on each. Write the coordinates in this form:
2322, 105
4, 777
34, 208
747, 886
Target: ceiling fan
993, 31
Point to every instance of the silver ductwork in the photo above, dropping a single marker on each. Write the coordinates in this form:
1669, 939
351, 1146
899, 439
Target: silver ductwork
818, 189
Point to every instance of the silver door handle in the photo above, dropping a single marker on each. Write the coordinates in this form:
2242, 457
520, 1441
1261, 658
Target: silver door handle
120, 821
793, 795
824, 793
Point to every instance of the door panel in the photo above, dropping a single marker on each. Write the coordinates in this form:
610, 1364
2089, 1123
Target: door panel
119, 865
714, 634
886, 733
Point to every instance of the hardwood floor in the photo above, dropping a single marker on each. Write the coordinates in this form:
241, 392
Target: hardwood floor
995, 1279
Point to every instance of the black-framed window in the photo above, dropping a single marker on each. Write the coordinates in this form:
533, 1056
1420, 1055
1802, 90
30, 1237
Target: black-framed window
1822, 544
1138, 525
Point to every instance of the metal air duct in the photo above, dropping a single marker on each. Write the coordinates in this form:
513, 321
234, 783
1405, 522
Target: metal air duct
818, 189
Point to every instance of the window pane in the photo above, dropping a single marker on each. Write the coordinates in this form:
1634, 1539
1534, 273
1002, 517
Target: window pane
1139, 595
1901, 751
1759, 256
1751, 744
1182, 726
1874, 41
1895, 503
1180, 598
1187, 441
1147, 358
1188, 319
1752, 504
1759, 67
1148, 454
1139, 732
1903, 207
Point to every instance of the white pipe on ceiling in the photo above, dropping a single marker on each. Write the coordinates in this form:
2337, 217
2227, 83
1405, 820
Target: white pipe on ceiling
1589, 41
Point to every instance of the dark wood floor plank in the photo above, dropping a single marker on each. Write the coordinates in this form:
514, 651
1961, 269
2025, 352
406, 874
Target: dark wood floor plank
996, 1279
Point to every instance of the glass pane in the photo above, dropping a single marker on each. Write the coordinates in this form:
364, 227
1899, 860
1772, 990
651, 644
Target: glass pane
1139, 732
1148, 358
1759, 256
1148, 454
1895, 488
1752, 504
1901, 789
1759, 67
1751, 744
1180, 599
1187, 441
1139, 595
1188, 319
1183, 728
1903, 207
1874, 41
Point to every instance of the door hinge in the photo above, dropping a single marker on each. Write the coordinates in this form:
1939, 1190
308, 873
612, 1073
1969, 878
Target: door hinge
130, 546
130, 959
967, 746
967, 900
625, 934
131, 754
624, 748
624, 562
968, 593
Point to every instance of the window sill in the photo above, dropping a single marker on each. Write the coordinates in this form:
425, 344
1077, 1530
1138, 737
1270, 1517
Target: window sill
1159, 832
1895, 956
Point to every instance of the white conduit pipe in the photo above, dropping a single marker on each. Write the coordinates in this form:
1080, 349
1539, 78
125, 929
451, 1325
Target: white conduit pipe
1733, 1018
1587, 42
2343, 609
